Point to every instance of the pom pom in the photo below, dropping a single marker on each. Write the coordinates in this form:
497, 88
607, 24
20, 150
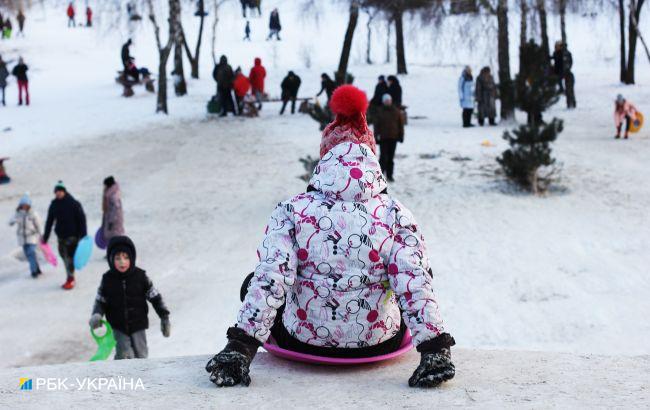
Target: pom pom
348, 100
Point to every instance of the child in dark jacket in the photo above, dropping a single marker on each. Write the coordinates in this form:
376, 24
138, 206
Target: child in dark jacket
122, 296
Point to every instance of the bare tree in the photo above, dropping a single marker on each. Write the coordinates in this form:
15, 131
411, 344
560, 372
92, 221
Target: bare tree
621, 15
506, 88
164, 51
541, 10
216, 4
635, 13
371, 13
523, 30
341, 73
180, 86
194, 59
562, 11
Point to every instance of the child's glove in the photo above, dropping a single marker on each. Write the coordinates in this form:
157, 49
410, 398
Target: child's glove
95, 321
435, 364
165, 326
231, 366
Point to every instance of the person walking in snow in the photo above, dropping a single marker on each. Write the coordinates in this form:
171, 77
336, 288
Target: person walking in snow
343, 269
6, 31
562, 62
274, 25
240, 86
89, 16
257, 77
20, 72
389, 130
247, 31
122, 296
224, 77
28, 232
290, 85
486, 95
125, 53
395, 90
71, 13
466, 95
327, 86
624, 111
112, 213
381, 88
69, 220
4, 74
21, 23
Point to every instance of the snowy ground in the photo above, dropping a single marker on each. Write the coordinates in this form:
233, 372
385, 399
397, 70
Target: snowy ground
486, 379
567, 272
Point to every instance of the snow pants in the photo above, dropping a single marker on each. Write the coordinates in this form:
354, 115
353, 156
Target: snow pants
284, 339
30, 254
386, 157
467, 117
285, 101
67, 248
133, 346
628, 122
23, 86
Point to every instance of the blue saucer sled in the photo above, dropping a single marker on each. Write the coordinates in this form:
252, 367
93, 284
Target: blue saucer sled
83, 252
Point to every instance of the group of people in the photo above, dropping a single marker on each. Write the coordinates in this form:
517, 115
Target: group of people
72, 13
483, 92
20, 72
229, 81
6, 28
123, 288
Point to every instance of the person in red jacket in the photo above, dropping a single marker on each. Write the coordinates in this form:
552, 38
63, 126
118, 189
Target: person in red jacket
256, 76
241, 85
70, 13
89, 17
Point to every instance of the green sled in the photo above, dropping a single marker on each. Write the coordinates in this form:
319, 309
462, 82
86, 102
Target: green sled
105, 343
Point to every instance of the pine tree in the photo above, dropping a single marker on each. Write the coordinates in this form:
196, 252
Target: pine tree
536, 90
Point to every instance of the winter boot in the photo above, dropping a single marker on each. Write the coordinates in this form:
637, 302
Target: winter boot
69, 284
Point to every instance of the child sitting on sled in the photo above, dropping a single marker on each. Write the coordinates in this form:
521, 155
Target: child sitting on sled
343, 268
122, 295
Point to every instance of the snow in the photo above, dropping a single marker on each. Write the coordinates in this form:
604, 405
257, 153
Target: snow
562, 273
485, 379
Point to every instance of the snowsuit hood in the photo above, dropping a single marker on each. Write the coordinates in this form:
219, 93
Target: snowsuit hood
120, 244
349, 172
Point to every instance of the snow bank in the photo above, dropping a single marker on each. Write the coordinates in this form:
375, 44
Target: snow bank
484, 379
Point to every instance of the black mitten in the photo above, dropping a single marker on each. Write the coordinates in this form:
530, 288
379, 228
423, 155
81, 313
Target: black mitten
435, 364
231, 366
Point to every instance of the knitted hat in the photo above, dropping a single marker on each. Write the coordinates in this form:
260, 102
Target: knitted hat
25, 200
349, 104
60, 186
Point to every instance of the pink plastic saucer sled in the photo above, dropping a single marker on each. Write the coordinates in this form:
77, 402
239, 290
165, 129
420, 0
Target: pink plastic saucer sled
50, 257
275, 350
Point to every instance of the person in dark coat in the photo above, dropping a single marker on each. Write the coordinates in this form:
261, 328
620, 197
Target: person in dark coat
20, 72
486, 95
562, 62
389, 130
380, 89
395, 90
126, 53
224, 77
327, 85
4, 73
247, 31
274, 25
69, 220
290, 86
122, 296
21, 23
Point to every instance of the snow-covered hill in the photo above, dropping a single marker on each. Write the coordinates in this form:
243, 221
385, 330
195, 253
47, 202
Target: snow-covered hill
485, 379
567, 272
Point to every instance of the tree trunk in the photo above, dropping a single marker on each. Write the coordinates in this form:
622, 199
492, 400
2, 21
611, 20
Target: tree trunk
563, 20
541, 9
388, 26
161, 105
369, 39
163, 52
523, 31
180, 86
194, 60
621, 15
399, 42
635, 12
341, 73
505, 82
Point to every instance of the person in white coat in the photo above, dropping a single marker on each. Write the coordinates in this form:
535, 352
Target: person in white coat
28, 231
466, 96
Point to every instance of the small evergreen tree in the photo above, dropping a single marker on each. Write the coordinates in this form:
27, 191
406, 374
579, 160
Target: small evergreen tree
536, 90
